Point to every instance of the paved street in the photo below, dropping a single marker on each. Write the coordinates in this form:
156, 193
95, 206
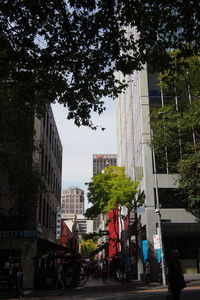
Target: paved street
95, 289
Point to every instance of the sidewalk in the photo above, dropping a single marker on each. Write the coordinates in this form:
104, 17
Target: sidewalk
98, 286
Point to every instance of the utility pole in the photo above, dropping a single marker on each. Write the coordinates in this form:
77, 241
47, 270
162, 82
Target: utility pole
159, 216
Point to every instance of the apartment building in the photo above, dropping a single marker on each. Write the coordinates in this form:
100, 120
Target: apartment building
72, 201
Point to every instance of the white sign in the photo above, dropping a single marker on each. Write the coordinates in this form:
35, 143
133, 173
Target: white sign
58, 223
156, 241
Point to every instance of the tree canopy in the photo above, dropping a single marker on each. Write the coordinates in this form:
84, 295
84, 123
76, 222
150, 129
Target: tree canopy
176, 129
108, 189
69, 50
88, 246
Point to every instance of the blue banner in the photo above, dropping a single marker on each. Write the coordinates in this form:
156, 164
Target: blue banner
159, 255
145, 252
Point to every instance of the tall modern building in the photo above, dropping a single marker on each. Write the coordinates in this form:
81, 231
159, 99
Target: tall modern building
100, 162
72, 201
180, 229
36, 236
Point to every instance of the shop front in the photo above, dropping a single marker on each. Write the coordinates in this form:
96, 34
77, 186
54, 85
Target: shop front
36, 256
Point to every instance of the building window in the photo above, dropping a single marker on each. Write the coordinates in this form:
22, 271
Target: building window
170, 198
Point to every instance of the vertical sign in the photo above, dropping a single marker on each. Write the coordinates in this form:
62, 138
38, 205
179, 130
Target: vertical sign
156, 241
58, 223
145, 252
159, 258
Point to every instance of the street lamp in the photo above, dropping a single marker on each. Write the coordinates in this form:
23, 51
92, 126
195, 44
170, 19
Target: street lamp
157, 210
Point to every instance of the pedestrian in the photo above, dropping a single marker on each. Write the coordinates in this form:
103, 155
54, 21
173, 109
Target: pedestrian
77, 269
11, 277
59, 272
104, 272
19, 283
147, 271
176, 280
87, 271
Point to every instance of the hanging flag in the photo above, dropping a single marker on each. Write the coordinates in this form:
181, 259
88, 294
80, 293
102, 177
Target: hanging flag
145, 251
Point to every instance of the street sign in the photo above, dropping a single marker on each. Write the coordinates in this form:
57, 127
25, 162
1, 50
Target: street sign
140, 210
156, 241
104, 232
58, 223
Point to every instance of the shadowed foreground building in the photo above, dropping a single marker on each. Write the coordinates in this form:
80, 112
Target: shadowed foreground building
28, 225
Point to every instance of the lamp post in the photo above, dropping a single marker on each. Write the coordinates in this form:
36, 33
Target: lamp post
157, 210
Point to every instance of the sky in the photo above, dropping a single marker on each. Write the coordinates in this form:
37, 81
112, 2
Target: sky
80, 143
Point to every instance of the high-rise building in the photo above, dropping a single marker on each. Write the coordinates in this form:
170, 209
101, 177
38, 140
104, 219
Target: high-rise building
36, 235
72, 201
180, 229
100, 162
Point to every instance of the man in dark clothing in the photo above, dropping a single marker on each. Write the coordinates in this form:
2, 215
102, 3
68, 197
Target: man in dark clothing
19, 282
175, 275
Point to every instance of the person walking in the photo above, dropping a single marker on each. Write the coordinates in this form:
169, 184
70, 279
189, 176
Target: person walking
19, 283
104, 272
59, 271
176, 280
147, 271
11, 276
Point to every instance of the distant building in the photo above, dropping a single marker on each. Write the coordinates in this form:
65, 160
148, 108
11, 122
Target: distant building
84, 225
72, 201
100, 162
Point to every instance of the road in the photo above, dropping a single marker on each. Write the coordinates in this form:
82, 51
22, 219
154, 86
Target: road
192, 293
95, 289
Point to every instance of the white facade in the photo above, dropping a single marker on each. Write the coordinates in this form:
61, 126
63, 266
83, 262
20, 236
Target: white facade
84, 225
134, 152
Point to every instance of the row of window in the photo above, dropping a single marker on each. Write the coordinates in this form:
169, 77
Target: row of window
72, 200
50, 175
67, 198
72, 204
72, 211
53, 141
68, 193
167, 157
170, 198
47, 215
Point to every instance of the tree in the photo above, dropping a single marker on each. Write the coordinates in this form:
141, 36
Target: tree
88, 246
109, 190
69, 50
176, 128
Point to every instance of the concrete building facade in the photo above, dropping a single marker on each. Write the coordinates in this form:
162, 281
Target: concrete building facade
180, 229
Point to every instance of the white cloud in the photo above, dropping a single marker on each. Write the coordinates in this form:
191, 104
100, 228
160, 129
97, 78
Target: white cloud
80, 143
